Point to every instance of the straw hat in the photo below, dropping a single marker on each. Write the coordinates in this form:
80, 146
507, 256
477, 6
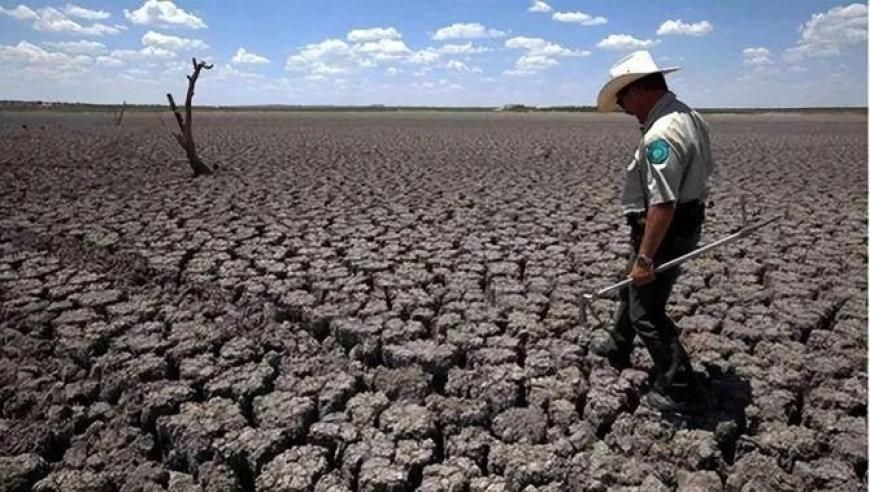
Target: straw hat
634, 66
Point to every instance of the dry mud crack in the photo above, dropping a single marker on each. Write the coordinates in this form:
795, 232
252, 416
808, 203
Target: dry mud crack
391, 302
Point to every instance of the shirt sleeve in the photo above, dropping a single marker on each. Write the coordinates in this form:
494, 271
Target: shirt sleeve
633, 192
665, 168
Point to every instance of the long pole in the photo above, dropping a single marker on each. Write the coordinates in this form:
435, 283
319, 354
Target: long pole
686, 257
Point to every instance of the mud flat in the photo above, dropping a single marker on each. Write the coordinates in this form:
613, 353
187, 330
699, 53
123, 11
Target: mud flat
386, 302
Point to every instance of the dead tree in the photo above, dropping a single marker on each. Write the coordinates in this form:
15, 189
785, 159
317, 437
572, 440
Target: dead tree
120, 116
185, 138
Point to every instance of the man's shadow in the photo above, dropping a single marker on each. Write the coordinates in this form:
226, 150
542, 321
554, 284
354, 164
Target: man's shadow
724, 413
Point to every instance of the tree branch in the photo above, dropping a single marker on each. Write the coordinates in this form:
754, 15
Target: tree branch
120, 116
185, 124
174, 109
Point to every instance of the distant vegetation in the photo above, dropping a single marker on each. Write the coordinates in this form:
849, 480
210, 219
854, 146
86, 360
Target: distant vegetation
513, 108
82, 107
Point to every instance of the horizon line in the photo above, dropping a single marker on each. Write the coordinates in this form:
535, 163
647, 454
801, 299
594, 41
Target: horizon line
516, 107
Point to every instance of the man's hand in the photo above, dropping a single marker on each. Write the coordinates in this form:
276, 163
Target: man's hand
641, 275
658, 220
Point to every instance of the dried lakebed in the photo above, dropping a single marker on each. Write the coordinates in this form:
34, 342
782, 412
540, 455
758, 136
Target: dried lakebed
386, 302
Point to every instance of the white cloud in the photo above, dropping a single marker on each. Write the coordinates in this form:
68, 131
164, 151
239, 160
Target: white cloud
471, 30
532, 64
177, 66
146, 53
756, 57
540, 7
333, 57
383, 49
34, 58
27, 52
540, 47
440, 85
230, 72
391, 71
156, 46
92, 48
579, 18
49, 19
328, 57
696, 29
245, 56
108, 61
826, 34
424, 57
457, 65
539, 55
137, 72
83, 13
373, 34
163, 13
625, 42
100, 29
21, 12
171, 43
462, 49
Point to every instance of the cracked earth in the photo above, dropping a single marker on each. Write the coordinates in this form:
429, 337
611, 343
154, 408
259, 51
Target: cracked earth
388, 302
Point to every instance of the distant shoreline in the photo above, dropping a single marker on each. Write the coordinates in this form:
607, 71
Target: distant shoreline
85, 107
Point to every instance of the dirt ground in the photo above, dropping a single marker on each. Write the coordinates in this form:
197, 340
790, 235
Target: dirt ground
384, 302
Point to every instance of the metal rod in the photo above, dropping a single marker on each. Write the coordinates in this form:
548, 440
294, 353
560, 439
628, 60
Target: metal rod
686, 257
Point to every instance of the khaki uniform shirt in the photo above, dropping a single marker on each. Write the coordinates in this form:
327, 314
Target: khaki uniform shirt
672, 162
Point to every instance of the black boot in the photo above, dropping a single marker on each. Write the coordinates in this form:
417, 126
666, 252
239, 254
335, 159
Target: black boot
604, 345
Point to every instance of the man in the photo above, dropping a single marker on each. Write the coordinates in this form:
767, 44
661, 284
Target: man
663, 200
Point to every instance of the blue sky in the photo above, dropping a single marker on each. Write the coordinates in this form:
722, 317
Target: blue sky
775, 53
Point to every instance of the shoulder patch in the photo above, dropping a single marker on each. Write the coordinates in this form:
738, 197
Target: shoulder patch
658, 151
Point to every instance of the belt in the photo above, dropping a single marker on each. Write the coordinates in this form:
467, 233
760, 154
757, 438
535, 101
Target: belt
687, 215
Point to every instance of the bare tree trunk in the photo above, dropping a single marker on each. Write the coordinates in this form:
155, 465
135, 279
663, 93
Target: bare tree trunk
185, 123
120, 116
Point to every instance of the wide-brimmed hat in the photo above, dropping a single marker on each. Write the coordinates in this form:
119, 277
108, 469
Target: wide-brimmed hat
634, 66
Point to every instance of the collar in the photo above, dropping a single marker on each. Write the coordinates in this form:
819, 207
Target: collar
658, 110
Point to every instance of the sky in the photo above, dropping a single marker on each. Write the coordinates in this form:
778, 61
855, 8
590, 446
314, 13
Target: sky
736, 53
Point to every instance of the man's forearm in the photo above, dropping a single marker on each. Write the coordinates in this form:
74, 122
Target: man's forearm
658, 220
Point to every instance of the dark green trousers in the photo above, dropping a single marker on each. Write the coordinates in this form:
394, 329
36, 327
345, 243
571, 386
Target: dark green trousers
641, 310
